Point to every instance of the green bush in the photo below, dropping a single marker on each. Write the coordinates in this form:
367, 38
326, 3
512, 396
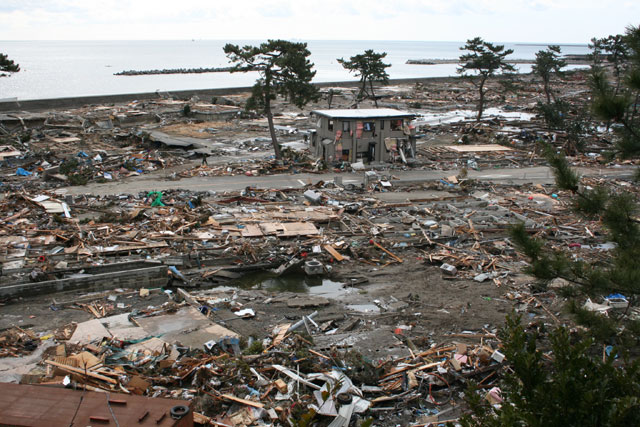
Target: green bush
569, 386
69, 166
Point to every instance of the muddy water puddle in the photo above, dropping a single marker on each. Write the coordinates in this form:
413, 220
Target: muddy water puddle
293, 282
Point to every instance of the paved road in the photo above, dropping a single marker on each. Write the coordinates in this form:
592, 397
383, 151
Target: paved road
158, 181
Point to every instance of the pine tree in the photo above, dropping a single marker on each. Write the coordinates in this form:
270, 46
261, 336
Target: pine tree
370, 68
484, 60
562, 379
7, 66
561, 382
548, 64
616, 51
619, 270
618, 103
284, 70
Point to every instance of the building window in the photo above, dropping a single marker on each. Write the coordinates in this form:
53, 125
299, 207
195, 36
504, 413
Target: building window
330, 124
369, 127
346, 126
381, 124
396, 124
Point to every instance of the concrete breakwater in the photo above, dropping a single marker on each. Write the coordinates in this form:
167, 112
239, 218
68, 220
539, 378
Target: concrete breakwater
173, 71
569, 59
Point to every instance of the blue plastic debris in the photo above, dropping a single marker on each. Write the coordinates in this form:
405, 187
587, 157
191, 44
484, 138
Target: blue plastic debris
176, 273
23, 172
252, 391
82, 154
616, 296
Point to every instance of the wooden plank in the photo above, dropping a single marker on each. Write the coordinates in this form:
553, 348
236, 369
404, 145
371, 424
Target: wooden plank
477, 148
243, 401
81, 372
270, 227
298, 229
411, 367
251, 230
188, 298
377, 245
333, 252
283, 329
437, 350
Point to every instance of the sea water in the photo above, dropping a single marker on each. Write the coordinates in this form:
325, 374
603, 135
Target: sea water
51, 69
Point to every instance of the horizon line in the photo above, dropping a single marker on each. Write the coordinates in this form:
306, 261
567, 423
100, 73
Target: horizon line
524, 43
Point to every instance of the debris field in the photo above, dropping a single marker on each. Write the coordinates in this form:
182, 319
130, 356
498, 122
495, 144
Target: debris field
147, 251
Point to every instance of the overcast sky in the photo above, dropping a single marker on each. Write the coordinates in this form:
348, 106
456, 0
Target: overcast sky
568, 21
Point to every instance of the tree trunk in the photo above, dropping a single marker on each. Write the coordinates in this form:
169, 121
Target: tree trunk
373, 95
272, 129
363, 91
481, 100
547, 91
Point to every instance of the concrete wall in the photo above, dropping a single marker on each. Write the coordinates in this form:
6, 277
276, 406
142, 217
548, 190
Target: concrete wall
75, 102
138, 278
357, 146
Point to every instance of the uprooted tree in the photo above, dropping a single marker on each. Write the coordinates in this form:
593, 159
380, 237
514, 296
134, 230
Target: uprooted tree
7, 66
284, 70
484, 60
370, 68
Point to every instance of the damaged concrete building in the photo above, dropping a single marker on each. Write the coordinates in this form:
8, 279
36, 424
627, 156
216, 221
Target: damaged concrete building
366, 135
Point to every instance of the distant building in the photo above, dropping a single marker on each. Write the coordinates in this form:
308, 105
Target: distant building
372, 135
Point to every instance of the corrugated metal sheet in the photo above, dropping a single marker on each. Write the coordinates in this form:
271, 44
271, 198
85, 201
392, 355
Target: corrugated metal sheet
33, 405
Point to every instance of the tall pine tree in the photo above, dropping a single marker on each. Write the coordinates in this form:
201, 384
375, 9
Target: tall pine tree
370, 68
284, 70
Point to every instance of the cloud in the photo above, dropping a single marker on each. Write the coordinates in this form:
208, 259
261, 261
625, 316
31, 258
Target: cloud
498, 20
276, 9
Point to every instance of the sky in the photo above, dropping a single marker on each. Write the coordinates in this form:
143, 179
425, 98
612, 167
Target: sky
537, 21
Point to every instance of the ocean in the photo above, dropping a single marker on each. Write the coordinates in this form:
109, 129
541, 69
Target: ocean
52, 69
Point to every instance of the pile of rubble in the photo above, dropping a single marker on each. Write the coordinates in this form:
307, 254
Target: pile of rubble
242, 365
285, 377
376, 298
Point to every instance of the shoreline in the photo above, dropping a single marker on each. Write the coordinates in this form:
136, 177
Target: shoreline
568, 60
79, 101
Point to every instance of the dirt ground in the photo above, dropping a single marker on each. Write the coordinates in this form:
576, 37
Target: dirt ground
430, 305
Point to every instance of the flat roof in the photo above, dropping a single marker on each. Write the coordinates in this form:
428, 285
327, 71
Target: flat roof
32, 405
354, 113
